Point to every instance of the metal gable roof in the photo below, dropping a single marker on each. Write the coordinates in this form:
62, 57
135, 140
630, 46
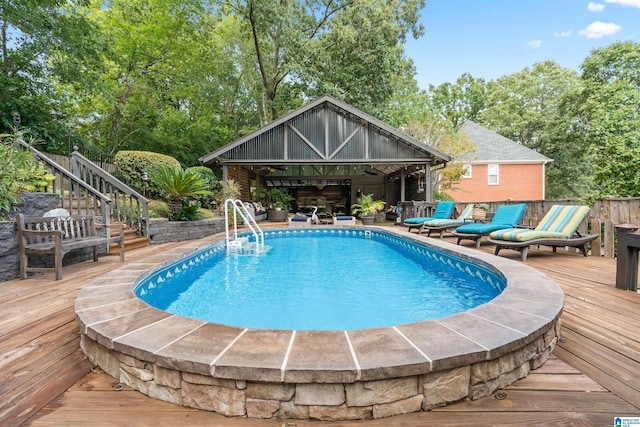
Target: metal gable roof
326, 131
493, 147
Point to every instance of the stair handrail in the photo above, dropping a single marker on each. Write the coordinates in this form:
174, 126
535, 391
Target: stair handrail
238, 206
129, 206
68, 185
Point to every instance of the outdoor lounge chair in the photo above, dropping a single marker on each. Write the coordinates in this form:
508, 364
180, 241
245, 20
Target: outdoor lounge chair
444, 210
506, 216
344, 220
558, 228
299, 221
442, 225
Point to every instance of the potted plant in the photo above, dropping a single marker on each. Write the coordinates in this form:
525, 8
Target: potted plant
260, 194
280, 203
367, 208
480, 211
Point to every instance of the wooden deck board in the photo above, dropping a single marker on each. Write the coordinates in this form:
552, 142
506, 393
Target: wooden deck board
591, 378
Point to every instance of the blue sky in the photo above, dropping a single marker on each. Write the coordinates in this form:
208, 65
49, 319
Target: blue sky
493, 38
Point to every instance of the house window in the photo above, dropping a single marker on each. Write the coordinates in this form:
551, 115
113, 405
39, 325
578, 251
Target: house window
493, 174
467, 171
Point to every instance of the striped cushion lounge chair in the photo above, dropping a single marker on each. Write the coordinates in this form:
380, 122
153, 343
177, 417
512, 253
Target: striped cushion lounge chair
442, 225
444, 210
558, 228
506, 216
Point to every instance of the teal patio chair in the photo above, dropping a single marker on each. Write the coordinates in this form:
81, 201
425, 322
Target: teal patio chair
506, 216
444, 210
442, 225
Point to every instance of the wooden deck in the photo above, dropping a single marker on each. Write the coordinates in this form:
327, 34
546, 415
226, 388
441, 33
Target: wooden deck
592, 376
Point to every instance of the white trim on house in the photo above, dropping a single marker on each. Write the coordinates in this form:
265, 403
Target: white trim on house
493, 169
468, 170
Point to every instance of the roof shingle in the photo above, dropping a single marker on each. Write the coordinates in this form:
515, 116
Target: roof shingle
493, 147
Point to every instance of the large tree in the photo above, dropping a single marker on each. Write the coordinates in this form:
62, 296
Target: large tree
172, 83
533, 107
347, 48
610, 107
439, 133
47, 46
463, 100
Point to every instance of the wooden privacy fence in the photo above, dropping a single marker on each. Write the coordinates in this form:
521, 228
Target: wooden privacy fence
604, 215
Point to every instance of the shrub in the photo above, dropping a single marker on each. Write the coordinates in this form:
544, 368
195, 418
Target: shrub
212, 181
19, 172
159, 209
132, 165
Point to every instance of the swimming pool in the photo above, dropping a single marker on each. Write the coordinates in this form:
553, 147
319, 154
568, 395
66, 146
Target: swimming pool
321, 279
327, 375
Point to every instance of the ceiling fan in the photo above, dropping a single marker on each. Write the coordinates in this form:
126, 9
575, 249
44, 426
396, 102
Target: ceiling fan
271, 169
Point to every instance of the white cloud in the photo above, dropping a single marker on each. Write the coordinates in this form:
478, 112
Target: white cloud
563, 34
595, 7
632, 3
598, 29
534, 43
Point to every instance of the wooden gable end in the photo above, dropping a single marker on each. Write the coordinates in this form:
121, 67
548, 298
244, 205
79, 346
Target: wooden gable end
324, 134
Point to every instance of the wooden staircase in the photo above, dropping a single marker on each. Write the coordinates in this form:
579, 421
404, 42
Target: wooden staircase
132, 240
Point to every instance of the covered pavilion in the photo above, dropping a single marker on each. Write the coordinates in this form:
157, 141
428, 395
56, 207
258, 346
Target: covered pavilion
330, 150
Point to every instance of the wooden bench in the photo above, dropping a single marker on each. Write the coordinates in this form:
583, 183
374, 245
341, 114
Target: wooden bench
59, 235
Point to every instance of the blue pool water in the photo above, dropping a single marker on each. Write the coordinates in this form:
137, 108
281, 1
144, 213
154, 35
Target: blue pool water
329, 280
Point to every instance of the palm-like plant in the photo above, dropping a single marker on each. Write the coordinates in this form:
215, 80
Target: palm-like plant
367, 206
231, 189
177, 185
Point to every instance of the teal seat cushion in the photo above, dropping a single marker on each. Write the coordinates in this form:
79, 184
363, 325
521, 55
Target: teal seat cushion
509, 215
524, 235
417, 220
444, 210
480, 228
442, 222
506, 216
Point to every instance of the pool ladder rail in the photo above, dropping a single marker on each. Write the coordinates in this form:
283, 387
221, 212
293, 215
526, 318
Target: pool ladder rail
237, 245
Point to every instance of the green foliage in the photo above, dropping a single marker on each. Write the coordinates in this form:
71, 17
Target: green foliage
272, 198
129, 75
19, 172
189, 211
133, 164
48, 47
609, 107
260, 194
534, 108
177, 186
440, 134
617, 159
463, 100
367, 206
230, 189
159, 209
280, 199
212, 182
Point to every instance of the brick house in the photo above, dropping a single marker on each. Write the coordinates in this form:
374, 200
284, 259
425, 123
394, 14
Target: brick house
499, 170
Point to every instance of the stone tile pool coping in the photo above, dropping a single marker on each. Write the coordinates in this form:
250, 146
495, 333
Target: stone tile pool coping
357, 374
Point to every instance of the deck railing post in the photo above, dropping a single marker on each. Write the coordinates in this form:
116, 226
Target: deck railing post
627, 260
